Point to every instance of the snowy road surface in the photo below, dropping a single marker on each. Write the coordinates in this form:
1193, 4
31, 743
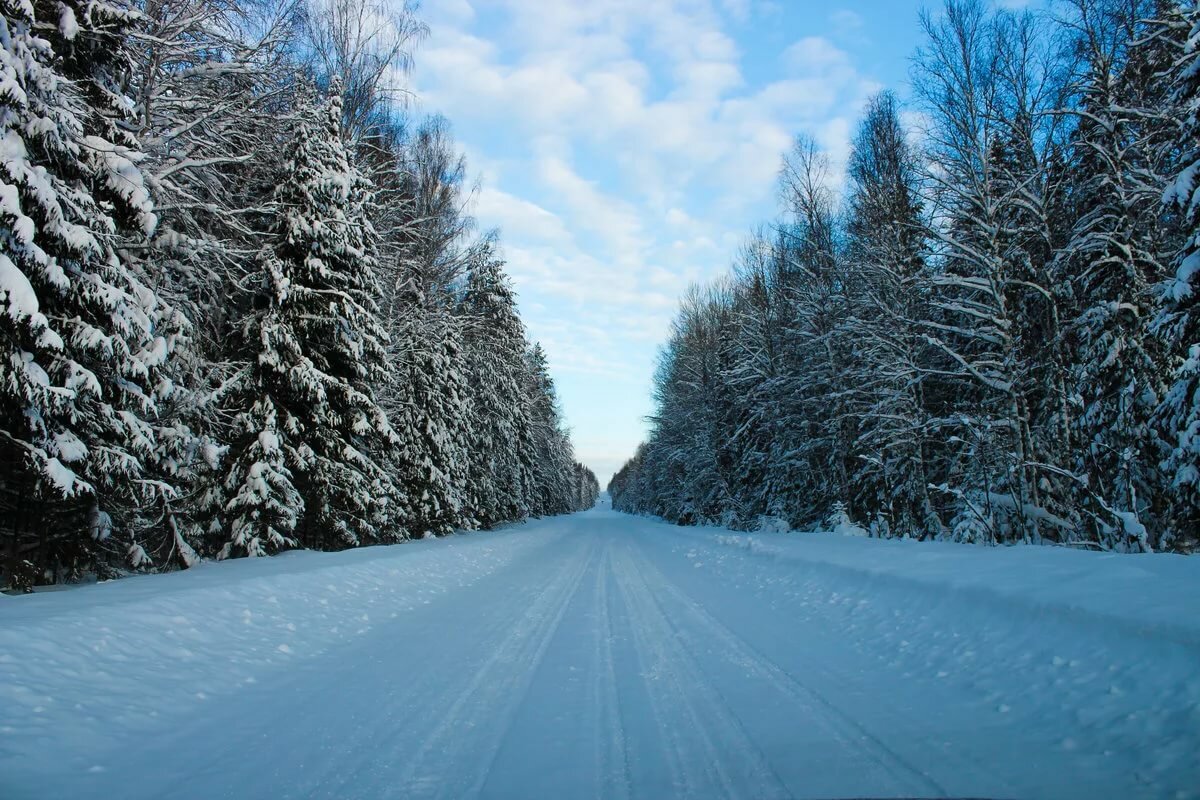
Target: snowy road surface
606, 656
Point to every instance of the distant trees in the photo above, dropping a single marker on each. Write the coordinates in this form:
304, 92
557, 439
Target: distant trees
978, 345
241, 307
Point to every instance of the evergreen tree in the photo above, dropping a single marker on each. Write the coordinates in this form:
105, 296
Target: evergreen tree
966, 351
1178, 318
494, 348
431, 418
84, 338
300, 469
1109, 266
552, 459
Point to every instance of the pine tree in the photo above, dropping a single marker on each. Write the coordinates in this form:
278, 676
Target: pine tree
84, 338
301, 468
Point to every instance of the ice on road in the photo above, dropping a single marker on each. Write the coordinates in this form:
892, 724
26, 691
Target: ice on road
608, 656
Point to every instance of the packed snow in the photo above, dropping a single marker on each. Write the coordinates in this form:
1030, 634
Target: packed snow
605, 655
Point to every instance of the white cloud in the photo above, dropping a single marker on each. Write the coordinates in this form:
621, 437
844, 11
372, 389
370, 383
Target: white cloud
816, 54
678, 217
845, 22
518, 218
459, 11
625, 153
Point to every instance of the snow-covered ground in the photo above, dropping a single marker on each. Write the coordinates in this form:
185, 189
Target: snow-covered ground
602, 655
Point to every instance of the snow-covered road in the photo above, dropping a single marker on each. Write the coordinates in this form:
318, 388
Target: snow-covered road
605, 656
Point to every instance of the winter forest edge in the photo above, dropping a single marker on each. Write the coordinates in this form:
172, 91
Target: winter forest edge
993, 336
242, 306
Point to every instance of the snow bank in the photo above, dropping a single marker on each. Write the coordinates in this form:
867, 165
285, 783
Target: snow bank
77, 664
1080, 665
1155, 595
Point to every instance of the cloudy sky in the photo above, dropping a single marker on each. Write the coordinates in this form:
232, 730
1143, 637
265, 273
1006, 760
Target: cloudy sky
627, 147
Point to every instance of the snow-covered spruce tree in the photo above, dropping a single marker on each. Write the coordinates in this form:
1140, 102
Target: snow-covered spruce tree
426, 392
84, 339
429, 404
211, 81
1178, 318
494, 351
300, 469
1108, 268
552, 458
196, 91
587, 488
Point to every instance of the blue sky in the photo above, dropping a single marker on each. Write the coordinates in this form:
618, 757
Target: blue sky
627, 147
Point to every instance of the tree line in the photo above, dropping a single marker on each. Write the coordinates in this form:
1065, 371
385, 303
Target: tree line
992, 333
243, 307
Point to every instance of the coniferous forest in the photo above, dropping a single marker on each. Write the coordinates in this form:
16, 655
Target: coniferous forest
243, 307
992, 333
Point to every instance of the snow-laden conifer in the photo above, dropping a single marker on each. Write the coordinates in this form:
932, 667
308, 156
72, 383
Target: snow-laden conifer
301, 468
84, 338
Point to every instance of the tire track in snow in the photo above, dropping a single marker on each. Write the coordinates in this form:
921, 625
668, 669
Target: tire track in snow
653, 661
347, 760
676, 683
957, 761
612, 758
841, 725
455, 758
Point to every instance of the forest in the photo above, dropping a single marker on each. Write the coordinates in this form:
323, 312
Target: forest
991, 332
243, 305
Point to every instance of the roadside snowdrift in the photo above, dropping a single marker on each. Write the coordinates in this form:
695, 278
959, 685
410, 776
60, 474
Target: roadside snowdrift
1073, 652
93, 661
1155, 595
